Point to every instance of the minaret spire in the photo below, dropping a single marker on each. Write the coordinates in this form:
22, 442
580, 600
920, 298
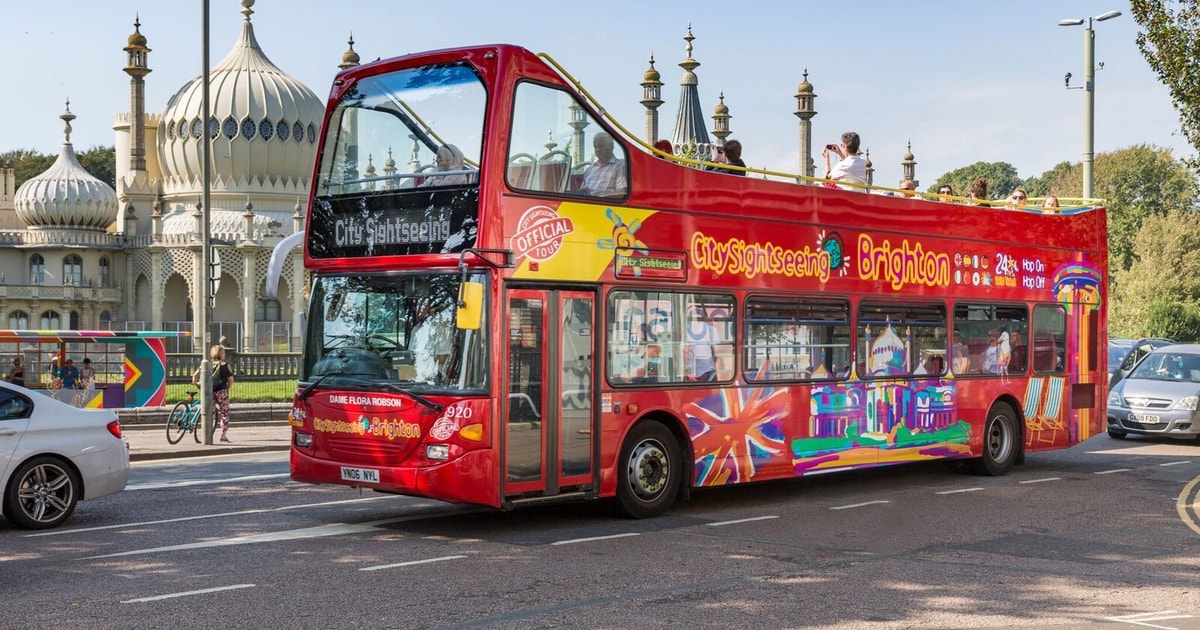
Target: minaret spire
137, 67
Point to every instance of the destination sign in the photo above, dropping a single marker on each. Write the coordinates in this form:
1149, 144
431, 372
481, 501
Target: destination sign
393, 224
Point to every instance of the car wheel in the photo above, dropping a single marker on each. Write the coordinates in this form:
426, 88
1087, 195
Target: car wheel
42, 493
1117, 435
651, 471
1001, 442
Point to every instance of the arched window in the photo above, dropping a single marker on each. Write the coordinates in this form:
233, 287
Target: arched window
37, 269
105, 320
74, 325
51, 320
18, 320
105, 273
73, 270
266, 310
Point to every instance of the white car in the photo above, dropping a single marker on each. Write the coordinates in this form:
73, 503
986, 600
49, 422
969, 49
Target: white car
53, 455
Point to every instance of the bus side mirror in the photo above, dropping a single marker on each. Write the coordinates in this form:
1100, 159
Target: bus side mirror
470, 306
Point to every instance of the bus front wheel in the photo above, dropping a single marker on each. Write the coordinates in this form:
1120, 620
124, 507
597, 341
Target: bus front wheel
651, 471
1001, 442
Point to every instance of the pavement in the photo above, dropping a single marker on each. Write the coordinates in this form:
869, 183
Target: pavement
252, 429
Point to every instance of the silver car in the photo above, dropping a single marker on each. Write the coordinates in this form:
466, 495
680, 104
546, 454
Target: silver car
1160, 395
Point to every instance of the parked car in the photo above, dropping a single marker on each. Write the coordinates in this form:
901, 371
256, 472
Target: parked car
1123, 354
1160, 395
53, 455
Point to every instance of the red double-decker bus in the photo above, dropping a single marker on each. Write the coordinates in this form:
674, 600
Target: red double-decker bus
513, 302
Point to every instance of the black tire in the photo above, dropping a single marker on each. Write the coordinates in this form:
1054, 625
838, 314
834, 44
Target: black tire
42, 493
1001, 442
195, 420
175, 422
651, 471
1117, 435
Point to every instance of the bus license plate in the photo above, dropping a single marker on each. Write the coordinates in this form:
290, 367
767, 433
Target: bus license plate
365, 475
1144, 418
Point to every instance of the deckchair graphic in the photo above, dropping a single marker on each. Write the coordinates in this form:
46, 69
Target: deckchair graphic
1044, 409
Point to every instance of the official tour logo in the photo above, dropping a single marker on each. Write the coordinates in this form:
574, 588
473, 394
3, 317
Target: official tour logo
540, 233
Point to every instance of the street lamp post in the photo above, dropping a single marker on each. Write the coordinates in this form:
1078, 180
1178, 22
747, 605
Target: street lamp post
205, 310
1089, 93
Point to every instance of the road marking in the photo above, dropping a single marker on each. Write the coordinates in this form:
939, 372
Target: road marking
1182, 506
410, 563
580, 540
857, 505
1176, 463
742, 520
1115, 470
201, 517
1041, 480
1141, 619
187, 593
202, 482
959, 490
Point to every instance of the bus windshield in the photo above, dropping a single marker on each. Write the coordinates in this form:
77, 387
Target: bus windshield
396, 130
367, 331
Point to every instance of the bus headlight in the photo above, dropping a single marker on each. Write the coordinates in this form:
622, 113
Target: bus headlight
304, 440
439, 452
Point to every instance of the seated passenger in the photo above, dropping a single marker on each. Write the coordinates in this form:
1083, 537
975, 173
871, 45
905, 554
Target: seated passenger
978, 192
731, 153
853, 167
606, 176
449, 158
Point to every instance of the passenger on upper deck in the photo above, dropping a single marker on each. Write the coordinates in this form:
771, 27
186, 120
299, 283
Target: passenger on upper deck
853, 167
945, 192
1050, 205
978, 192
449, 158
908, 188
731, 153
1016, 201
606, 176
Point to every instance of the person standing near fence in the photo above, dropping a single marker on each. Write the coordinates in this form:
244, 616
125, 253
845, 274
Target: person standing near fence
222, 381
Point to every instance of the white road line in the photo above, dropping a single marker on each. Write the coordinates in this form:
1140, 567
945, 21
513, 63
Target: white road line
580, 540
1141, 619
201, 482
1176, 463
1115, 470
320, 531
959, 490
1041, 480
187, 593
742, 520
201, 517
410, 563
857, 505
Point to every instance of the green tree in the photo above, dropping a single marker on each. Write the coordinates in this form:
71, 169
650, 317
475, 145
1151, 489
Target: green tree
1042, 185
1136, 182
101, 162
1002, 179
1159, 295
26, 163
1170, 42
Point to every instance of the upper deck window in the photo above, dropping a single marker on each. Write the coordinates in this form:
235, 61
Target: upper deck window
558, 147
414, 128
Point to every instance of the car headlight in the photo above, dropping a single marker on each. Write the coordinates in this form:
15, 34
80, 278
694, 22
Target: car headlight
1114, 397
1187, 403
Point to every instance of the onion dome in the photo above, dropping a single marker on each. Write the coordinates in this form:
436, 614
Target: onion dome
805, 87
137, 39
263, 123
908, 154
652, 74
66, 196
349, 58
721, 109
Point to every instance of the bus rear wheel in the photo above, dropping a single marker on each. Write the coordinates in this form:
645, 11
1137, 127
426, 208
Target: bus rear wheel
651, 471
1001, 442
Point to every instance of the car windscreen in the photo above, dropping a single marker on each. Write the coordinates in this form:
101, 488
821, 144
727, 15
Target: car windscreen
1168, 366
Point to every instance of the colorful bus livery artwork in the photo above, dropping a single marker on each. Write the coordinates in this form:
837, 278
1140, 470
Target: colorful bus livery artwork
545, 324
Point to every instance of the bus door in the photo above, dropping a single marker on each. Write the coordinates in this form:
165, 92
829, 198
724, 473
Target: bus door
548, 437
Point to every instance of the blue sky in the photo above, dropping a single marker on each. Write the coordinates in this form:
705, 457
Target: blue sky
964, 80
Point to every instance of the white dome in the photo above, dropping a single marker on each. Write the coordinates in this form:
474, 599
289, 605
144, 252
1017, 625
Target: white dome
66, 195
226, 223
263, 122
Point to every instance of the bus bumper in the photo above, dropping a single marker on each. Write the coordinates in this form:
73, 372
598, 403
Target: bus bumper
467, 479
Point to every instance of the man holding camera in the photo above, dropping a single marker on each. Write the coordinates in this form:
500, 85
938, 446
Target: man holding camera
852, 168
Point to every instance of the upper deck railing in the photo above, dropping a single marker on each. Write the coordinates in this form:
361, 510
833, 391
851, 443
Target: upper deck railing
1033, 205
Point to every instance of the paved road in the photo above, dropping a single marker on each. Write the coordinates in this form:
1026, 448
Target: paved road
1099, 536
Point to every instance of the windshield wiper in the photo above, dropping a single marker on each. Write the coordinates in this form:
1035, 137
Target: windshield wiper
417, 397
303, 395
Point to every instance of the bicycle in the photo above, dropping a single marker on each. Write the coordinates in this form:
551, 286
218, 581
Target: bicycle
185, 416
